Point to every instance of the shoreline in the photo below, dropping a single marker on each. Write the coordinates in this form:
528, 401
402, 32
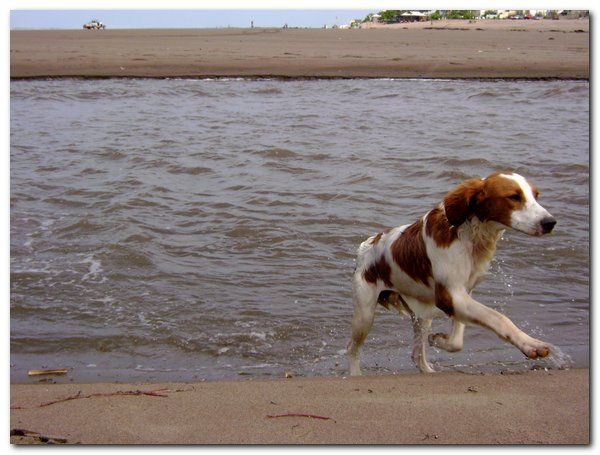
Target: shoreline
302, 78
536, 407
523, 50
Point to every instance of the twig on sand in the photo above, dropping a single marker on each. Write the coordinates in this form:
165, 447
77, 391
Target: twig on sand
152, 393
292, 414
35, 436
59, 371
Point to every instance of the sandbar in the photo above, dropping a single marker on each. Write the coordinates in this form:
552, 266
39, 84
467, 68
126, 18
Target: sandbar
540, 49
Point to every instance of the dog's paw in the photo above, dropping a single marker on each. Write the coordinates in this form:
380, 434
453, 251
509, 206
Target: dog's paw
536, 350
427, 368
440, 340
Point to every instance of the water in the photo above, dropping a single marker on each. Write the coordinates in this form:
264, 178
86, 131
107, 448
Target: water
205, 229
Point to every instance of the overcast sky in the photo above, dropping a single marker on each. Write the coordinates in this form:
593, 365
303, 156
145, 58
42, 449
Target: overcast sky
34, 19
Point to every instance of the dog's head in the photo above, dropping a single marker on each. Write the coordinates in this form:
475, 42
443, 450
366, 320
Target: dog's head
507, 199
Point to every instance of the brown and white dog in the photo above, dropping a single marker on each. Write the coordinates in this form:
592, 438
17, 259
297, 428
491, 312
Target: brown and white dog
429, 268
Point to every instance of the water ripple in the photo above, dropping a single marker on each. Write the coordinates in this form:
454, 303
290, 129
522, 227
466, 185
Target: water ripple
209, 227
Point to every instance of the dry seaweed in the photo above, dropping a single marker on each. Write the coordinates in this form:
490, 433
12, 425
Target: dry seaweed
152, 393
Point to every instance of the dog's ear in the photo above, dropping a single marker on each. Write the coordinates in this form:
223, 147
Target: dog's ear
459, 202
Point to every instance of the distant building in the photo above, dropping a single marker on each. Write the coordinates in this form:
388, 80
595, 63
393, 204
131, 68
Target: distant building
506, 13
413, 16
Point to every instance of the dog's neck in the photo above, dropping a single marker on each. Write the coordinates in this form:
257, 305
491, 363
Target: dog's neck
482, 236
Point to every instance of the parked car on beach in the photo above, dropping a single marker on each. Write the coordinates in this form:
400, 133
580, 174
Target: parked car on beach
94, 24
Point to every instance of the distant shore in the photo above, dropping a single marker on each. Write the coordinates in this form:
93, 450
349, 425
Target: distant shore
538, 407
524, 49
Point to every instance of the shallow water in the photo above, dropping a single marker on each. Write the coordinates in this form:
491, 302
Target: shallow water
189, 229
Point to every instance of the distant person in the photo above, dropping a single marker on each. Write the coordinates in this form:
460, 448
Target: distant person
251, 24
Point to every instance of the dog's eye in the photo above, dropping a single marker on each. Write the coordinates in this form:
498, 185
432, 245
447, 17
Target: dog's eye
515, 197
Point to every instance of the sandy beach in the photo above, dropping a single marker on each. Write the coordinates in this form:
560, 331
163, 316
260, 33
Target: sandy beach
539, 407
440, 49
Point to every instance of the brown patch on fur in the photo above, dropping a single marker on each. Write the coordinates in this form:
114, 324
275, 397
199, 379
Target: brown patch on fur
439, 228
376, 239
458, 203
379, 270
492, 199
443, 299
409, 252
496, 201
391, 298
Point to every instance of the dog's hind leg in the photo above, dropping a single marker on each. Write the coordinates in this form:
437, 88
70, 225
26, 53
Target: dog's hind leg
452, 342
419, 355
421, 327
365, 300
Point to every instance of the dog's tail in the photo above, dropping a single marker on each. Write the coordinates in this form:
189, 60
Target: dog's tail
364, 252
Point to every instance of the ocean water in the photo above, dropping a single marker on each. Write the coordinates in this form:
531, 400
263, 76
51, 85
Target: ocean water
206, 229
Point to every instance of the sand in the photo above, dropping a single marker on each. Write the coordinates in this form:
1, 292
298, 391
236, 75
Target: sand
442, 49
538, 407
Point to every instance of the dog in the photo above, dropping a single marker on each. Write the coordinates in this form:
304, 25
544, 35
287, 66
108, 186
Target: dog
429, 268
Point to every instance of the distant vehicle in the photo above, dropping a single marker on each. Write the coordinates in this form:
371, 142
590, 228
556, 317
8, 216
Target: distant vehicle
94, 24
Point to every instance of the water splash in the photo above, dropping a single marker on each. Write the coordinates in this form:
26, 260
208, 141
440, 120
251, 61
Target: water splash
556, 360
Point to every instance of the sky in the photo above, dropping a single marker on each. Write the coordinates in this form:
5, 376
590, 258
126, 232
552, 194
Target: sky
65, 14
74, 19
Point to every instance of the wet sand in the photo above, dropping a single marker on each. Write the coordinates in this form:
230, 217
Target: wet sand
442, 49
537, 407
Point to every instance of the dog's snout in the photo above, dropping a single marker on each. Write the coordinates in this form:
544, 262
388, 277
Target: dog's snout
547, 224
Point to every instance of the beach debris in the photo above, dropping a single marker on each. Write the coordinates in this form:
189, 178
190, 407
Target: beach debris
294, 414
35, 436
288, 375
243, 373
58, 371
151, 393
427, 436
472, 389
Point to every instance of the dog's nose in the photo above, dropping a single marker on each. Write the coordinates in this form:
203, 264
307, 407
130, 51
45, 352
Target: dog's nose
547, 224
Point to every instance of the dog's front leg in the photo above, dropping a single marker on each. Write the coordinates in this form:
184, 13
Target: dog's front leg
469, 310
